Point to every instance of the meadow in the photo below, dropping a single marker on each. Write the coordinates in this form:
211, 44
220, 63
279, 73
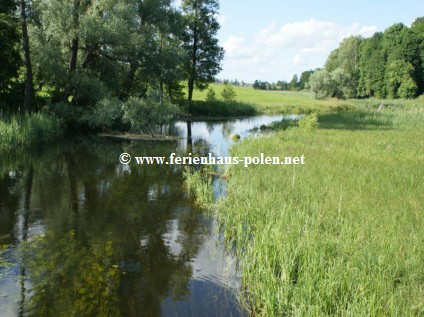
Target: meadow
342, 235
288, 102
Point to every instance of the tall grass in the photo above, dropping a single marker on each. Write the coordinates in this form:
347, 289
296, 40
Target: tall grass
198, 184
342, 235
220, 108
28, 129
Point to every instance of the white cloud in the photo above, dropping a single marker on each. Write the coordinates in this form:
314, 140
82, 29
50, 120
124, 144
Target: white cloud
233, 44
222, 19
279, 52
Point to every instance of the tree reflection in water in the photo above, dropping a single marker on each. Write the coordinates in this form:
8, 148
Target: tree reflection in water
103, 247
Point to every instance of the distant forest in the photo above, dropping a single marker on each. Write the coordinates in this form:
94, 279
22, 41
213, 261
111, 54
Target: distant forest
389, 64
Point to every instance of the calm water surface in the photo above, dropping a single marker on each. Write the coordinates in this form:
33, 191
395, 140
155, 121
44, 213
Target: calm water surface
88, 236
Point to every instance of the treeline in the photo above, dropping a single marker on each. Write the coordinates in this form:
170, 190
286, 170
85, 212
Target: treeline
297, 83
389, 64
233, 82
100, 62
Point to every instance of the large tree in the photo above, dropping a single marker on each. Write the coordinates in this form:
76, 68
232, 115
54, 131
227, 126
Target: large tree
29, 85
346, 58
203, 54
403, 48
372, 67
9, 53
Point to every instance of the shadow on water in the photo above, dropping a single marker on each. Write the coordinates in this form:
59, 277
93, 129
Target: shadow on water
356, 120
89, 236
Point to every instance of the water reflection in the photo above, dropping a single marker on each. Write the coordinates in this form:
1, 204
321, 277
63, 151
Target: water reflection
91, 237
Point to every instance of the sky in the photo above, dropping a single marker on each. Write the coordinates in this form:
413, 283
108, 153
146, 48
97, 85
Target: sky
272, 40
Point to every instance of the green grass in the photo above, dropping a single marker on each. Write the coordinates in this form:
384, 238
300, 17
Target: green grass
293, 102
28, 129
342, 235
198, 185
279, 102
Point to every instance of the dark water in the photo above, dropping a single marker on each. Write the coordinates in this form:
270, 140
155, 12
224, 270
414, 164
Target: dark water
87, 236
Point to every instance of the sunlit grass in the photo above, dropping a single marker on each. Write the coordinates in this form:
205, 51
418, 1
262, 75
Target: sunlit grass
342, 235
293, 102
280, 102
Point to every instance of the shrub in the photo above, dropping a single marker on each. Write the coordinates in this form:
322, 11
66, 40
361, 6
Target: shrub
211, 96
107, 113
146, 113
309, 122
408, 89
228, 94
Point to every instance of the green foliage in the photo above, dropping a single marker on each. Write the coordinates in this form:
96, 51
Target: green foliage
203, 53
110, 48
322, 84
198, 184
309, 122
3, 263
147, 113
372, 68
29, 129
90, 274
304, 79
294, 83
378, 66
107, 114
408, 89
228, 94
400, 74
9, 53
220, 108
211, 96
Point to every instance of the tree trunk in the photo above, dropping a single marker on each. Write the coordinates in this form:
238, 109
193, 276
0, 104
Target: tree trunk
190, 92
29, 85
192, 76
129, 81
75, 40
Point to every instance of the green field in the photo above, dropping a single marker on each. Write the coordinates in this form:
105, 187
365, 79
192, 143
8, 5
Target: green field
281, 102
342, 235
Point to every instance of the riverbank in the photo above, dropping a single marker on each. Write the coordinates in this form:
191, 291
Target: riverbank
342, 234
29, 129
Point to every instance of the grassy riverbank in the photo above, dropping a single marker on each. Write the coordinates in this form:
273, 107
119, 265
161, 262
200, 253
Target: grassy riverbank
342, 235
28, 129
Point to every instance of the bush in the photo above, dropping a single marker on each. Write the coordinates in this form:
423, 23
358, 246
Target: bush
145, 114
228, 94
211, 96
408, 89
107, 113
309, 122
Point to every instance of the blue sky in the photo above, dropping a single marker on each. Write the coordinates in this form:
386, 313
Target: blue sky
272, 40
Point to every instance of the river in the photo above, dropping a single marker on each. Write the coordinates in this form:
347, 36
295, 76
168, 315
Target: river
88, 236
